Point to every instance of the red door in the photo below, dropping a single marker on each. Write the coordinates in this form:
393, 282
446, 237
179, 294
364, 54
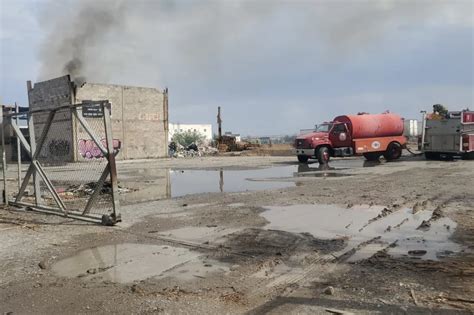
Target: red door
340, 136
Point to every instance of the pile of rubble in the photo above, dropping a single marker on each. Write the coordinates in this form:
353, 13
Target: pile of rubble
228, 144
89, 188
179, 151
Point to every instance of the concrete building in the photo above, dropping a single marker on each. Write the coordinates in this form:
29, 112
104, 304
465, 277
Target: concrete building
11, 148
204, 129
139, 119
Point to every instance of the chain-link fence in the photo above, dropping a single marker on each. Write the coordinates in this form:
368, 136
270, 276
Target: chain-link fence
70, 168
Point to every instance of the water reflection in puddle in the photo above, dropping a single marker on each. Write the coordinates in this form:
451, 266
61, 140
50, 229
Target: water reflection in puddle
212, 234
330, 221
128, 262
187, 182
321, 170
154, 184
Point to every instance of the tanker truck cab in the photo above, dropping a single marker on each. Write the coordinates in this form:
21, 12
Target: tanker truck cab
307, 142
369, 135
328, 139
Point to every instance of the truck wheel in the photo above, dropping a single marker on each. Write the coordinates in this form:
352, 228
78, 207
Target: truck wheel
394, 151
432, 156
372, 156
302, 158
468, 156
323, 155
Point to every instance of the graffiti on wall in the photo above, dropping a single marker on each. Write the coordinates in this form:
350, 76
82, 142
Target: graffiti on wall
89, 150
59, 148
149, 116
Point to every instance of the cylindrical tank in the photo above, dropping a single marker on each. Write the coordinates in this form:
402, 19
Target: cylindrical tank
373, 125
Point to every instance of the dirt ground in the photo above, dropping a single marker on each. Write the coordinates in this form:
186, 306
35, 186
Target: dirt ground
214, 252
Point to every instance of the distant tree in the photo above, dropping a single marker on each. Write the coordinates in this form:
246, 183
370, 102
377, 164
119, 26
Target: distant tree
185, 138
440, 109
289, 138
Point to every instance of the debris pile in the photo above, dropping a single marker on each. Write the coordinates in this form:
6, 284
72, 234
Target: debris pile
179, 151
229, 144
89, 188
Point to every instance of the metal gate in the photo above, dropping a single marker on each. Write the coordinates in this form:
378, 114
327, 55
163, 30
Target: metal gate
71, 168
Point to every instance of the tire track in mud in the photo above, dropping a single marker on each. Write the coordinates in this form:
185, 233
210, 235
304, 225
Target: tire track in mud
290, 281
249, 284
319, 262
250, 287
309, 274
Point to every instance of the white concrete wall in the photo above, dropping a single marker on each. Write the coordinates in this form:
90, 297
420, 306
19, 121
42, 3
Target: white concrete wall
205, 129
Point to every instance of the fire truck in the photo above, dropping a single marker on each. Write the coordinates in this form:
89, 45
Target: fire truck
448, 136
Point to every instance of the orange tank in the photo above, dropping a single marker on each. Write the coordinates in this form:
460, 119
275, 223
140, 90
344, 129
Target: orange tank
373, 125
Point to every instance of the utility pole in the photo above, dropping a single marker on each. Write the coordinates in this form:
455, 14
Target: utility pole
219, 125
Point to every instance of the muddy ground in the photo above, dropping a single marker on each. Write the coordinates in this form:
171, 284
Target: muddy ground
214, 235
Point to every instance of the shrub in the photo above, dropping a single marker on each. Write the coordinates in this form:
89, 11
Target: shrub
185, 138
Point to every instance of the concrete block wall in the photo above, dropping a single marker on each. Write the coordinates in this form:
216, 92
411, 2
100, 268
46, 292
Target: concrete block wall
95, 92
139, 118
59, 145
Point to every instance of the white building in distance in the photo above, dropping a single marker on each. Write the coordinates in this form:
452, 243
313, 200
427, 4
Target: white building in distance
204, 129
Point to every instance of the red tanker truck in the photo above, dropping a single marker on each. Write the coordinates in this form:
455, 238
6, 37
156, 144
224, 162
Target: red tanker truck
364, 134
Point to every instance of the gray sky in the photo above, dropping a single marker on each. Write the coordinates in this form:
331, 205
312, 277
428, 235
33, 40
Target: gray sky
273, 66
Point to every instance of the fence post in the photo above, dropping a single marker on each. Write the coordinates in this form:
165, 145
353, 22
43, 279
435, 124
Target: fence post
106, 109
4, 161
18, 146
36, 179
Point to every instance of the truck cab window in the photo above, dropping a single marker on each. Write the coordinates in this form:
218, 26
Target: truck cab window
339, 128
324, 128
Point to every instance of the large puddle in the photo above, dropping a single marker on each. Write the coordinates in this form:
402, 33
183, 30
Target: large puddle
155, 184
367, 232
128, 262
186, 182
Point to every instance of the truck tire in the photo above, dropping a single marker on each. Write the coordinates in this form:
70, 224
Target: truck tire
323, 155
394, 151
303, 158
432, 156
372, 156
468, 156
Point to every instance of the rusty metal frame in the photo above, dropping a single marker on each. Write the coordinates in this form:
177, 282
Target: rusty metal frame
36, 170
